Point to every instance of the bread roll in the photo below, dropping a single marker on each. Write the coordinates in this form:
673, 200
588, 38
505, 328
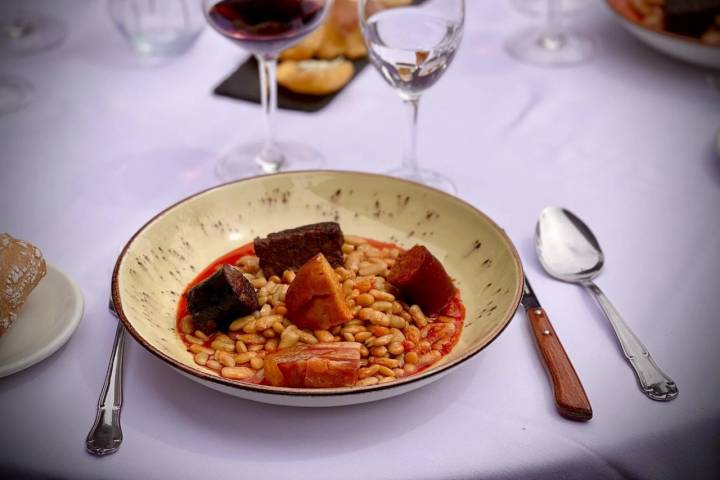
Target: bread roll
21, 269
306, 48
315, 77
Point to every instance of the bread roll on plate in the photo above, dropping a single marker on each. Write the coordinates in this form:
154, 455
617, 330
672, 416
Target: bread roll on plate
21, 269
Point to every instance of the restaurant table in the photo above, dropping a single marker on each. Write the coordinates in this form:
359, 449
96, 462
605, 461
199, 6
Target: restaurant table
626, 141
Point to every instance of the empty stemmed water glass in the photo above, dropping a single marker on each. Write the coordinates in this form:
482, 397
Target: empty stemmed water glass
22, 33
551, 45
412, 46
15, 93
540, 7
265, 28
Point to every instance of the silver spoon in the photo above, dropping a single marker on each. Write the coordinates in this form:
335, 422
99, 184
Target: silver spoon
105, 436
569, 251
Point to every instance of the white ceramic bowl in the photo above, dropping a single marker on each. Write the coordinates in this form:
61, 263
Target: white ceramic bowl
167, 253
681, 47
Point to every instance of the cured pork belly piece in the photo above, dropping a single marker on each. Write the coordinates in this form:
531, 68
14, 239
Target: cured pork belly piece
323, 365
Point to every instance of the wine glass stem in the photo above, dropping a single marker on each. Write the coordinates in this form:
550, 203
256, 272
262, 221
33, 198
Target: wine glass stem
410, 157
553, 37
270, 158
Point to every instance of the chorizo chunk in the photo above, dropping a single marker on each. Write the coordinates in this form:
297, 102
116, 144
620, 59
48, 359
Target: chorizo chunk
422, 280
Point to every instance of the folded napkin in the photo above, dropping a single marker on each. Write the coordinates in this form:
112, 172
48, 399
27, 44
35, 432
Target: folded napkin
244, 84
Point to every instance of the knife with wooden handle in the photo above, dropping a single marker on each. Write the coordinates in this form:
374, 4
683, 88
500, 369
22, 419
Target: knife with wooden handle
570, 398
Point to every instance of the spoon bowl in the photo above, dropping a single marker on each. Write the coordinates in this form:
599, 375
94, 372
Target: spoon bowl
566, 247
569, 251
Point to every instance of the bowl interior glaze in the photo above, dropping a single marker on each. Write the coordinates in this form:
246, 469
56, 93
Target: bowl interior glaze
169, 251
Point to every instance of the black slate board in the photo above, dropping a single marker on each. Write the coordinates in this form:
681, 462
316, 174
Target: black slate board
244, 84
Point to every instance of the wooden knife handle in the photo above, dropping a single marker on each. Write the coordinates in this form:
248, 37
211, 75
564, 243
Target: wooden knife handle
570, 397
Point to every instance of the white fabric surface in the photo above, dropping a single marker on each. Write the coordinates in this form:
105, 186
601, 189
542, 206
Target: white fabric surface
625, 141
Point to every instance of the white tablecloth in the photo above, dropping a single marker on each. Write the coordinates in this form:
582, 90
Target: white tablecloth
625, 141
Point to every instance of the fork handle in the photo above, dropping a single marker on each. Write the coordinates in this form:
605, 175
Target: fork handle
570, 398
105, 436
652, 381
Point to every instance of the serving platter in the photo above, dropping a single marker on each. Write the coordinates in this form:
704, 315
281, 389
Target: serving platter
681, 47
242, 84
171, 248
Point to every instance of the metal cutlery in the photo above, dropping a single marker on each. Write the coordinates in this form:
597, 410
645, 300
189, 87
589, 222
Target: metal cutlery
105, 436
570, 398
569, 251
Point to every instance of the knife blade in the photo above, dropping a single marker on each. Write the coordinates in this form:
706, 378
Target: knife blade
571, 400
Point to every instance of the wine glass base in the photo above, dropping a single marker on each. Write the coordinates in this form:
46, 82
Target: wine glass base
15, 94
426, 177
29, 32
536, 47
242, 161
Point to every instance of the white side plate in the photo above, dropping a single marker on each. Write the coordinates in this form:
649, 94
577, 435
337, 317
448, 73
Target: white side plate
47, 320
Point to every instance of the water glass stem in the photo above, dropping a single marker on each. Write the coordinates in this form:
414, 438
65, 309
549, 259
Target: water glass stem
270, 158
410, 163
552, 38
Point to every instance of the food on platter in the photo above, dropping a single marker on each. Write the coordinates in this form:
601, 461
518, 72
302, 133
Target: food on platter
699, 19
311, 307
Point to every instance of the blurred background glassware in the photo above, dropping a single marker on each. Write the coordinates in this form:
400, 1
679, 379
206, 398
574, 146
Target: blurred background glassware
552, 45
539, 8
158, 28
264, 28
412, 45
15, 94
24, 32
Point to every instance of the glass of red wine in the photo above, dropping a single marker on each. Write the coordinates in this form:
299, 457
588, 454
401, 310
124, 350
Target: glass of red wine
265, 28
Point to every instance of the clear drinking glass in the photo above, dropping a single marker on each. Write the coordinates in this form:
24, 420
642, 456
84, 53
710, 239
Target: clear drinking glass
23, 32
158, 27
552, 45
265, 28
14, 94
411, 46
538, 8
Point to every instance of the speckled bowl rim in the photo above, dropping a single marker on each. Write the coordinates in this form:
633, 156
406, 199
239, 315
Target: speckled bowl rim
309, 392
672, 35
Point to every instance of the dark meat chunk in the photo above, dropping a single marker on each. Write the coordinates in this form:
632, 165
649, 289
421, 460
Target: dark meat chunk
220, 299
690, 17
422, 280
290, 249
323, 365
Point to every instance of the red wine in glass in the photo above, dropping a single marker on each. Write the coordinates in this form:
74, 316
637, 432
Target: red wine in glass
265, 26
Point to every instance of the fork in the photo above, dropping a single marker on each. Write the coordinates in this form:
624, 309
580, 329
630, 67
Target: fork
105, 436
